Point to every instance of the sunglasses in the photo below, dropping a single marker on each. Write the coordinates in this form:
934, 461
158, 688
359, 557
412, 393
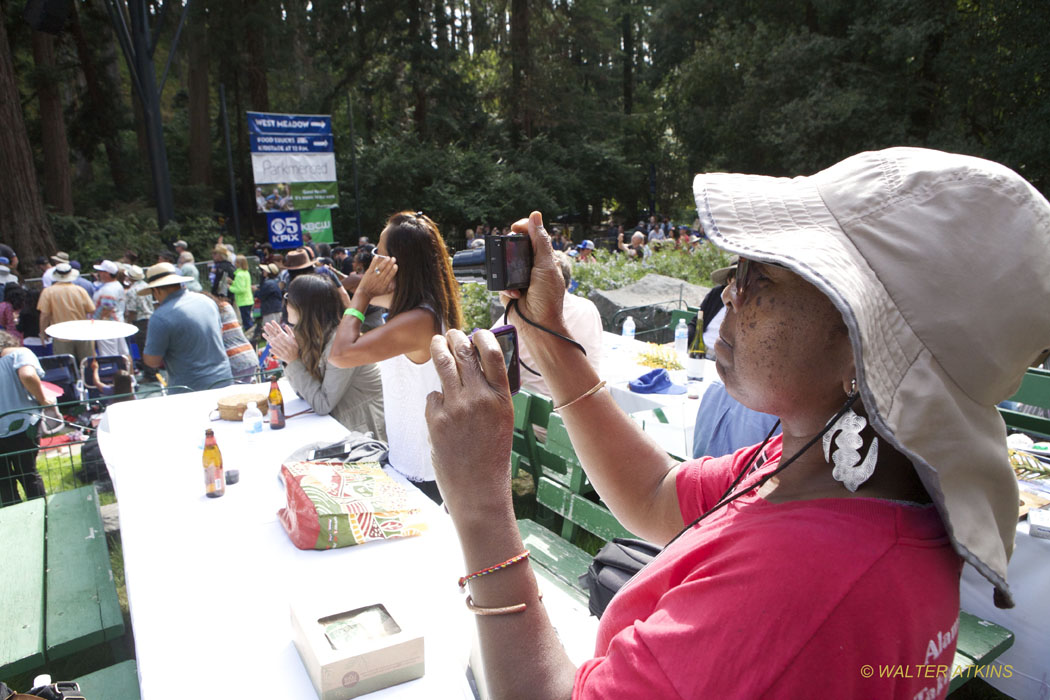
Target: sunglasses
746, 272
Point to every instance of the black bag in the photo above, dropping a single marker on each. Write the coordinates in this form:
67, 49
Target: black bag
613, 566
63, 690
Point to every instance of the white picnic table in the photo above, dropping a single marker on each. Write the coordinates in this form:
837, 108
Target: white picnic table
1029, 576
210, 581
619, 366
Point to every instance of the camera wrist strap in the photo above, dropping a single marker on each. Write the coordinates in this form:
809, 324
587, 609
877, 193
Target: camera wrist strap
514, 303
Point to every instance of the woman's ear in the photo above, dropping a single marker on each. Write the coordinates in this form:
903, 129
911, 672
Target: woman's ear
849, 375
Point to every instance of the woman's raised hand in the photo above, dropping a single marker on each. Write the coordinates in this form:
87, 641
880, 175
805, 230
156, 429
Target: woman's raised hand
344, 297
542, 301
471, 421
379, 277
282, 342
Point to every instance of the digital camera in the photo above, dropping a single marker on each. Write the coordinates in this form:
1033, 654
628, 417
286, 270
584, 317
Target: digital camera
508, 262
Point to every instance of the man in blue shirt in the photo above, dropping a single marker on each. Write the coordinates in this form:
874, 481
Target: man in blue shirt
724, 425
184, 333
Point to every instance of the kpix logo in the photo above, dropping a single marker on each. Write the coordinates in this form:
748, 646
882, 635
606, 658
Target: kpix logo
285, 229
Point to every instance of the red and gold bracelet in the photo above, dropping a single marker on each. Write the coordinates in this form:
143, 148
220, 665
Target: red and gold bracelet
502, 565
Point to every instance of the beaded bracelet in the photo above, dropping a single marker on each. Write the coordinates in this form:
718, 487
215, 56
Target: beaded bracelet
502, 565
355, 313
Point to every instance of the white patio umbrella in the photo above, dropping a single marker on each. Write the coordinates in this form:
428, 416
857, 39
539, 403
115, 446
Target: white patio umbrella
91, 329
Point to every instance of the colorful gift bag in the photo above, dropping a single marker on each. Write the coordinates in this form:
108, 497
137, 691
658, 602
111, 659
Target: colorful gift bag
332, 504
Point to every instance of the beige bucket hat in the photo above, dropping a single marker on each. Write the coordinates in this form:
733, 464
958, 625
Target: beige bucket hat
904, 243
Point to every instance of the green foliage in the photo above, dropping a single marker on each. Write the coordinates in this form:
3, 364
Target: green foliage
615, 270
476, 301
89, 239
618, 98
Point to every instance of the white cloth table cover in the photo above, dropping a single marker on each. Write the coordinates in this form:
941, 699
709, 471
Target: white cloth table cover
1029, 620
210, 581
620, 366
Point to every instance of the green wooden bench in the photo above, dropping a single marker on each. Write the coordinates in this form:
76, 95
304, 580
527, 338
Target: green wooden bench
62, 598
520, 450
1034, 391
559, 490
117, 682
980, 642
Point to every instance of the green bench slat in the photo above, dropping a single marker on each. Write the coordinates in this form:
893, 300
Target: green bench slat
82, 606
567, 469
1026, 423
22, 613
979, 643
1034, 389
587, 514
564, 561
117, 682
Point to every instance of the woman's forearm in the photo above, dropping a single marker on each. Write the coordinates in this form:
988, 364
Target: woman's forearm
630, 471
522, 656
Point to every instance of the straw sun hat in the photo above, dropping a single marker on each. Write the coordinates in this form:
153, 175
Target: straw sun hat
894, 239
161, 275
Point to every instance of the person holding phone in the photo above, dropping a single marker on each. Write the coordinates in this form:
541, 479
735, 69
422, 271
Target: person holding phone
351, 395
411, 275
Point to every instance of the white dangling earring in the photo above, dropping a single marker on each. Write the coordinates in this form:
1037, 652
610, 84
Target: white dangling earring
850, 469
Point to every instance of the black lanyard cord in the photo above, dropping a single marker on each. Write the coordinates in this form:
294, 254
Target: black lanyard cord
727, 499
514, 304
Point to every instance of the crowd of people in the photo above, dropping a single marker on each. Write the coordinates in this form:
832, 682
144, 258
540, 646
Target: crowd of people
841, 316
351, 327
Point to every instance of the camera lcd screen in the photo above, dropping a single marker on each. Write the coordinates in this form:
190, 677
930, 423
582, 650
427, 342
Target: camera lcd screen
518, 256
507, 337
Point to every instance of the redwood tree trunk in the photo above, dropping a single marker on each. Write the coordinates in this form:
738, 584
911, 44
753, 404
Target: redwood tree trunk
521, 119
58, 183
628, 64
23, 223
104, 104
255, 28
199, 102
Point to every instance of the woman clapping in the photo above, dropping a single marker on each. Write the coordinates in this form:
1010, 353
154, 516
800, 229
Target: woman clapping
351, 395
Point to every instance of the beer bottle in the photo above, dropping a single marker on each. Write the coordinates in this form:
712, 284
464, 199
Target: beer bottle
276, 406
214, 483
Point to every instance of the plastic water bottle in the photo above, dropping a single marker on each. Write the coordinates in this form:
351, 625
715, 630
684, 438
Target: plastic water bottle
253, 419
628, 328
681, 340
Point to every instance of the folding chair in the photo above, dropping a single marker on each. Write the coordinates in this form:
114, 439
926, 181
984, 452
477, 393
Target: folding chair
61, 370
108, 365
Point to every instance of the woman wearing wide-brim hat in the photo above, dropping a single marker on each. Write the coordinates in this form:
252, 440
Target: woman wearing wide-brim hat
798, 567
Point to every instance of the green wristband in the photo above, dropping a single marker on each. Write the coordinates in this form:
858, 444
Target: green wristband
355, 313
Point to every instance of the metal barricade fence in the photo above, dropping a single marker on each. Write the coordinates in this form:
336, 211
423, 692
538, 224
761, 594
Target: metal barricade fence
60, 451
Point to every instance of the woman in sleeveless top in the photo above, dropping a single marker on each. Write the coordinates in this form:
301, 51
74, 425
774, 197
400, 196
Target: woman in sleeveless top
411, 275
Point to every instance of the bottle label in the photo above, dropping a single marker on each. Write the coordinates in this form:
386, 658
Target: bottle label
213, 479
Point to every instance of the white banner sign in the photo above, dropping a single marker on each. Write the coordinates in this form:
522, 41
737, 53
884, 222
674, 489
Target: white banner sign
293, 167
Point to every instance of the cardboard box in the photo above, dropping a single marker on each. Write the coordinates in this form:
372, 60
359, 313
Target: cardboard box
1039, 523
356, 650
